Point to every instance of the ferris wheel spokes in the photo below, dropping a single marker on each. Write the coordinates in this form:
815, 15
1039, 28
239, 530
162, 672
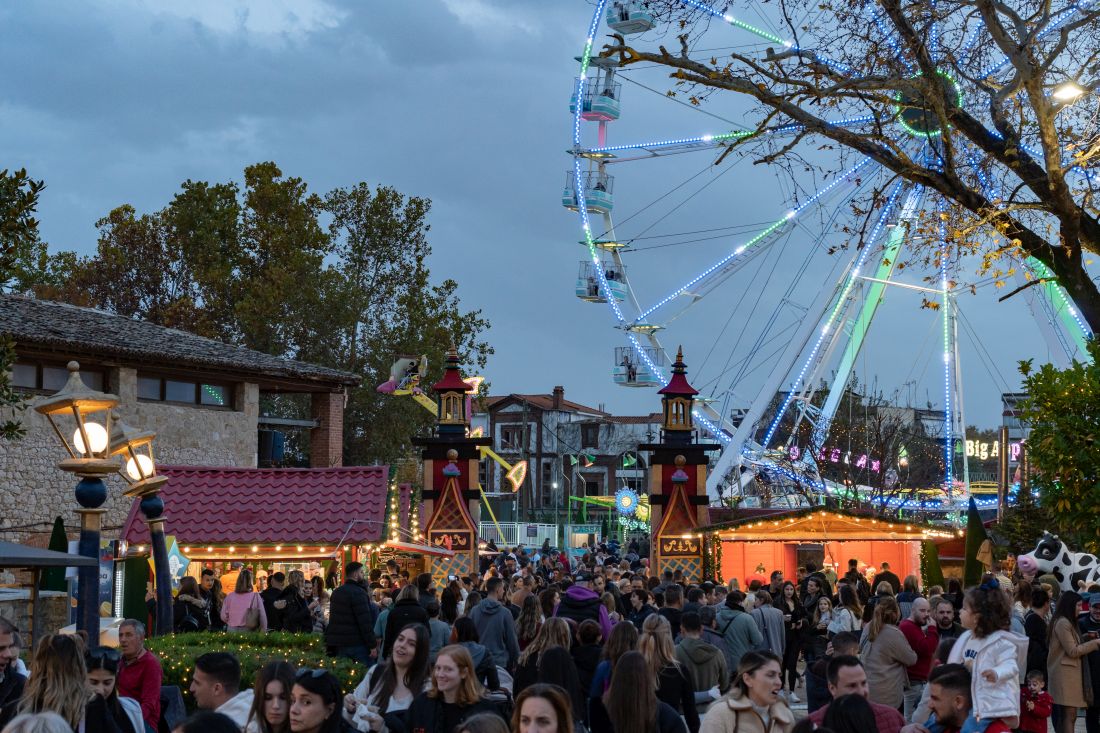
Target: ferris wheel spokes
719, 268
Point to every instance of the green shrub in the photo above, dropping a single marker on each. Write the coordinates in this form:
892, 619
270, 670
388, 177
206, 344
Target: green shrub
178, 653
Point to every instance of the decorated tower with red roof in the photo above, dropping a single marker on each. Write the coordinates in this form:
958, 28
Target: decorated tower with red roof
678, 481
451, 496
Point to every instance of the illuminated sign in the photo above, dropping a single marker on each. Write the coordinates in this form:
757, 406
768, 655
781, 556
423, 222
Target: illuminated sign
982, 450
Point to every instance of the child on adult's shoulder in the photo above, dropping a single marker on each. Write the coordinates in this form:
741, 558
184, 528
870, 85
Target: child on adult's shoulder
1036, 704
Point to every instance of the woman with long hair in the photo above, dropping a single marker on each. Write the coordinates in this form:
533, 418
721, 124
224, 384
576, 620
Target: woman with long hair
296, 614
910, 591
793, 616
405, 610
554, 632
816, 638
848, 615
630, 704
271, 688
543, 708
1064, 659
548, 601
623, 639
449, 600
674, 686
557, 668
753, 702
59, 684
385, 693
315, 703
453, 695
316, 598
886, 654
102, 663
529, 621
243, 609
190, 611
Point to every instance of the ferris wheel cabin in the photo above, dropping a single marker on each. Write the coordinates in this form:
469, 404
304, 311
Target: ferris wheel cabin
629, 17
597, 192
588, 281
600, 100
631, 370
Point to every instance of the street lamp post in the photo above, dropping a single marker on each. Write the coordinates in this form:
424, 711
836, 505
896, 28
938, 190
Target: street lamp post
87, 445
139, 470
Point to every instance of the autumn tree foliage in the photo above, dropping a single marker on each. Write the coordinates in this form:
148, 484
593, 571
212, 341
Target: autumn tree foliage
339, 279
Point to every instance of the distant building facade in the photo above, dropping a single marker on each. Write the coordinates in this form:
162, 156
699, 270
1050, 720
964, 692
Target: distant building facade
201, 396
572, 450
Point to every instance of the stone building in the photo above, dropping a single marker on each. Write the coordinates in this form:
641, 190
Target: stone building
201, 396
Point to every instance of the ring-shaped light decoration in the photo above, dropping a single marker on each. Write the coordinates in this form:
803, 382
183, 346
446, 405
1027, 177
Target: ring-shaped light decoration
626, 501
917, 118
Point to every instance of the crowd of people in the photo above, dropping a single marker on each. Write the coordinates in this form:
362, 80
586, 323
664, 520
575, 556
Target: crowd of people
541, 643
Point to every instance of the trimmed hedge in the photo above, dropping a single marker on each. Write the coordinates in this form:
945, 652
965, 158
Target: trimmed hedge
178, 653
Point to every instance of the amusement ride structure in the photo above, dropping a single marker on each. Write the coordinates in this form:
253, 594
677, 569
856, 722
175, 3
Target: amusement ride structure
831, 288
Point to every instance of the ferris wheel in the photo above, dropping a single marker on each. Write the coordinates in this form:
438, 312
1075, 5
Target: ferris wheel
786, 295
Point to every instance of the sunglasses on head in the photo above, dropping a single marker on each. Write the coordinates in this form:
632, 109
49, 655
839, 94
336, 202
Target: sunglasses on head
100, 656
314, 673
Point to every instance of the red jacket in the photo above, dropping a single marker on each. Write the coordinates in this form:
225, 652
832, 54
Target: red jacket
924, 644
1035, 720
887, 719
140, 680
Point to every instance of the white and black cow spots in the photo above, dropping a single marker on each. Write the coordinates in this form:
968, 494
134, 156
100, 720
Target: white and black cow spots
1070, 568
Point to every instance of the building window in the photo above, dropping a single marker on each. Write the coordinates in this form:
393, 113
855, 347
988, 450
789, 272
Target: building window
183, 391
29, 375
511, 437
590, 436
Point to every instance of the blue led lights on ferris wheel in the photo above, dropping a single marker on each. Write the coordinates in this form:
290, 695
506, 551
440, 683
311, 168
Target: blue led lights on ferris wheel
887, 210
846, 175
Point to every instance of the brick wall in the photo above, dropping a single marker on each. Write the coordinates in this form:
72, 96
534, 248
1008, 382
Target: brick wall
326, 441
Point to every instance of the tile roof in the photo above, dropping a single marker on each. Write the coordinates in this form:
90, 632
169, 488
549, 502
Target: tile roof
542, 402
76, 330
653, 417
268, 505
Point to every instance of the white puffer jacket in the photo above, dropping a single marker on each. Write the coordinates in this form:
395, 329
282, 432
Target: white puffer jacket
1003, 652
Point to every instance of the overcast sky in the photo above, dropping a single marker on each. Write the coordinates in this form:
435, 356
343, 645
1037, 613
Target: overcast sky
461, 101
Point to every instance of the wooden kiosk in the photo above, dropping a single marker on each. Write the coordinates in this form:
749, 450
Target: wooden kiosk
678, 482
450, 497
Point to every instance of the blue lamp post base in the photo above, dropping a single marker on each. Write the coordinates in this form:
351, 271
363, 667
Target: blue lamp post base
91, 492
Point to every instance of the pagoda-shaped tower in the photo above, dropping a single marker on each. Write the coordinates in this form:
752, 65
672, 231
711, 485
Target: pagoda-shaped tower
678, 481
450, 496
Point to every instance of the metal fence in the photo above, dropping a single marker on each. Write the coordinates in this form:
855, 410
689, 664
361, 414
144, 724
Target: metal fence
514, 533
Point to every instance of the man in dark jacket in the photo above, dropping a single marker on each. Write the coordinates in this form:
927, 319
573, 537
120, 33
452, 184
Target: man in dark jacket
1090, 629
1035, 626
581, 602
11, 682
352, 614
495, 626
888, 576
271, 596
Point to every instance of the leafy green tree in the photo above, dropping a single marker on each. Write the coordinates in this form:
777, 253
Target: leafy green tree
22, 252
1063, 412
257, 267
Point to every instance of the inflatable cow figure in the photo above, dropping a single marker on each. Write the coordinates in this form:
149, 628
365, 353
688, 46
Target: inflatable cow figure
1052, 556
